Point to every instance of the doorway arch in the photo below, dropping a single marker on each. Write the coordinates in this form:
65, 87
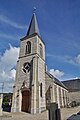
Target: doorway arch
26, 98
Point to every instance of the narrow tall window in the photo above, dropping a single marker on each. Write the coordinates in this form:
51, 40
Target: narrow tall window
41, 50
41, 89
28, 47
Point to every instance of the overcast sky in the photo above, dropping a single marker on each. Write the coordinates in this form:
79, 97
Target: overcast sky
59, 25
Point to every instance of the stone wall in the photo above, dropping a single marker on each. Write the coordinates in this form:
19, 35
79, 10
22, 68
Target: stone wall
74, 96
74, 89
55, 92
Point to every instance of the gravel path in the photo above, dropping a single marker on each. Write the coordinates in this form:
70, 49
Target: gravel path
24, 116
65, 113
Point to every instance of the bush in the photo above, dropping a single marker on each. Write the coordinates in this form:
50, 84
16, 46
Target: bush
73, 104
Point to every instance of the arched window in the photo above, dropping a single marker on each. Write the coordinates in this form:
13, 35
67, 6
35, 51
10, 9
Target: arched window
41, 89
41, 50
28, 47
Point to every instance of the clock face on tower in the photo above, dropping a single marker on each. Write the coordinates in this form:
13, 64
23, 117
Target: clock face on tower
26, 67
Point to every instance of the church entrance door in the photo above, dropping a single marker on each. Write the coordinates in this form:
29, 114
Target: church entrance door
26, 101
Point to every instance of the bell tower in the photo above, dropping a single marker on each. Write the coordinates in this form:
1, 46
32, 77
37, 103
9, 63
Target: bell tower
29, 88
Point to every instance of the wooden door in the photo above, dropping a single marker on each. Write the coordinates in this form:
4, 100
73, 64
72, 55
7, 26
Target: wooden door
26, 101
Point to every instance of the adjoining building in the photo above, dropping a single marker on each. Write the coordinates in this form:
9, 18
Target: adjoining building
74, 89
34, 86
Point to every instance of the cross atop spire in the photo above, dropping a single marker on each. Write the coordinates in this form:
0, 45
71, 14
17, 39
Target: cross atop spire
33, 27
34, 9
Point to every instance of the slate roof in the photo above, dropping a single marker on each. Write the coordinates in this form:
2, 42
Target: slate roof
33, 27
56, 80
72, 85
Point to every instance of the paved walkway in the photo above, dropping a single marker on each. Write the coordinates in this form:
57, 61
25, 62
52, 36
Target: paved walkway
65, 113
24, 116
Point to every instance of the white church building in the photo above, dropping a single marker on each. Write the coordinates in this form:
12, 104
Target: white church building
34, 86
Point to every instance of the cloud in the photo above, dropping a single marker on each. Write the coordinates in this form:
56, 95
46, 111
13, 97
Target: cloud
3, 35
13, 73
77, 59
7, 62
59, 57
56, 73
9, 58
68, 59
6, 20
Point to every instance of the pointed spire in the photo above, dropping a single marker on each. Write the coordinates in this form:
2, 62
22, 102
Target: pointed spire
33, 27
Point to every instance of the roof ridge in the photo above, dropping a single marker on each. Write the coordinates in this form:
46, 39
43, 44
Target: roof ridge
56, 80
